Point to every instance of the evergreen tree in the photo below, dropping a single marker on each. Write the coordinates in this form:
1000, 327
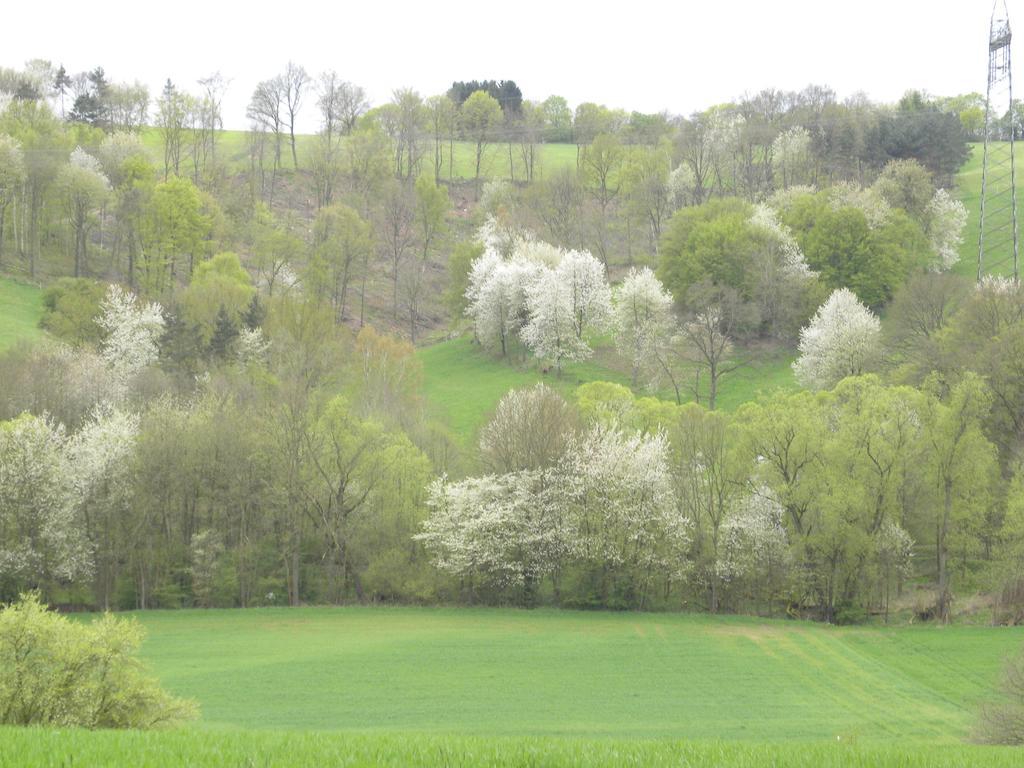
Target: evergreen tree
254, 314
61, 84
224, 334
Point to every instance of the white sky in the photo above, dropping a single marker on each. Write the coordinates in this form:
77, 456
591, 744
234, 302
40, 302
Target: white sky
676, 55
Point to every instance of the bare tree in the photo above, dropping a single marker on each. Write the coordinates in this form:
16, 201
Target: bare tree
398, 232
293, 84
265, 110
718, 316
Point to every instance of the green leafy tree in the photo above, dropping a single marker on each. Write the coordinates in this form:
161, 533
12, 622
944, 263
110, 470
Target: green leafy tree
479, 118
61, 673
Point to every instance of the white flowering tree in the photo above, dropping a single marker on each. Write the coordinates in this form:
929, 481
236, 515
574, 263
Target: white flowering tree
867, 200
625, 526
132, 330
526, 289
589, 294
779, 272
946, 217
42, 535
84, 187
506, 529
550, 332
841, 340
99, 455
791, 154
643, 319
753, 551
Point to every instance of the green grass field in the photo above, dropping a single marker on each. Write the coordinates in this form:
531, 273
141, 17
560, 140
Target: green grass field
549, 673
20, 309
232, 147
248, 749
968, 189
463, 383
433, 686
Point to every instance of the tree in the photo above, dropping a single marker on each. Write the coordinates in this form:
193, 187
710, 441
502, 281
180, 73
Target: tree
791, 151
397, 232
707, 479
624, 526
841, 340
172, 111
1002, 721
530, 429
132, 332
551, 332
61, 85
61, 673
718, 316
643, 319
963, 464
44, 536
84, 187
498, 296
72, 310
174, 226
507, 529
432, 206
443, 118
946, 218
479, 117
266, 110
220, 287
908, 185
293, 85
12, 176
342, 241
589, 294
601, 165
712, 242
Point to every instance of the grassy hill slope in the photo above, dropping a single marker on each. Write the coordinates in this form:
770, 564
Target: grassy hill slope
20, 309
463, 383
536, 673
968, 189
233, 148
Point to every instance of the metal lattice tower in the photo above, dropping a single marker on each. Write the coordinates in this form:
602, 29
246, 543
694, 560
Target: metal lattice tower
997, 235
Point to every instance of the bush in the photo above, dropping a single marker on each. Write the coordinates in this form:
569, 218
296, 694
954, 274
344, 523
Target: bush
1002, 720
54, 671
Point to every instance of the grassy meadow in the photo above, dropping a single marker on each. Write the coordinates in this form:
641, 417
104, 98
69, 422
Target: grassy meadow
462, 383
561, 673
269, 749
434, 686
968, 189
21, 306
232, 147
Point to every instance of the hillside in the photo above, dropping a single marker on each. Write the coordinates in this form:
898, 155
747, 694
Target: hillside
531, 673
462, 383
233, 145
20, 310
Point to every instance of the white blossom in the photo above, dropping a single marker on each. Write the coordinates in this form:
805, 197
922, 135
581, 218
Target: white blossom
41, 533
865, 199
590, 296
252, 345
792, 262
947, 218
643, 317
753, 541
840, 340
550, 332
132, 333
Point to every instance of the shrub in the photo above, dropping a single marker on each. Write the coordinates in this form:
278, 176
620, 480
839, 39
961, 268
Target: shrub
54, 671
